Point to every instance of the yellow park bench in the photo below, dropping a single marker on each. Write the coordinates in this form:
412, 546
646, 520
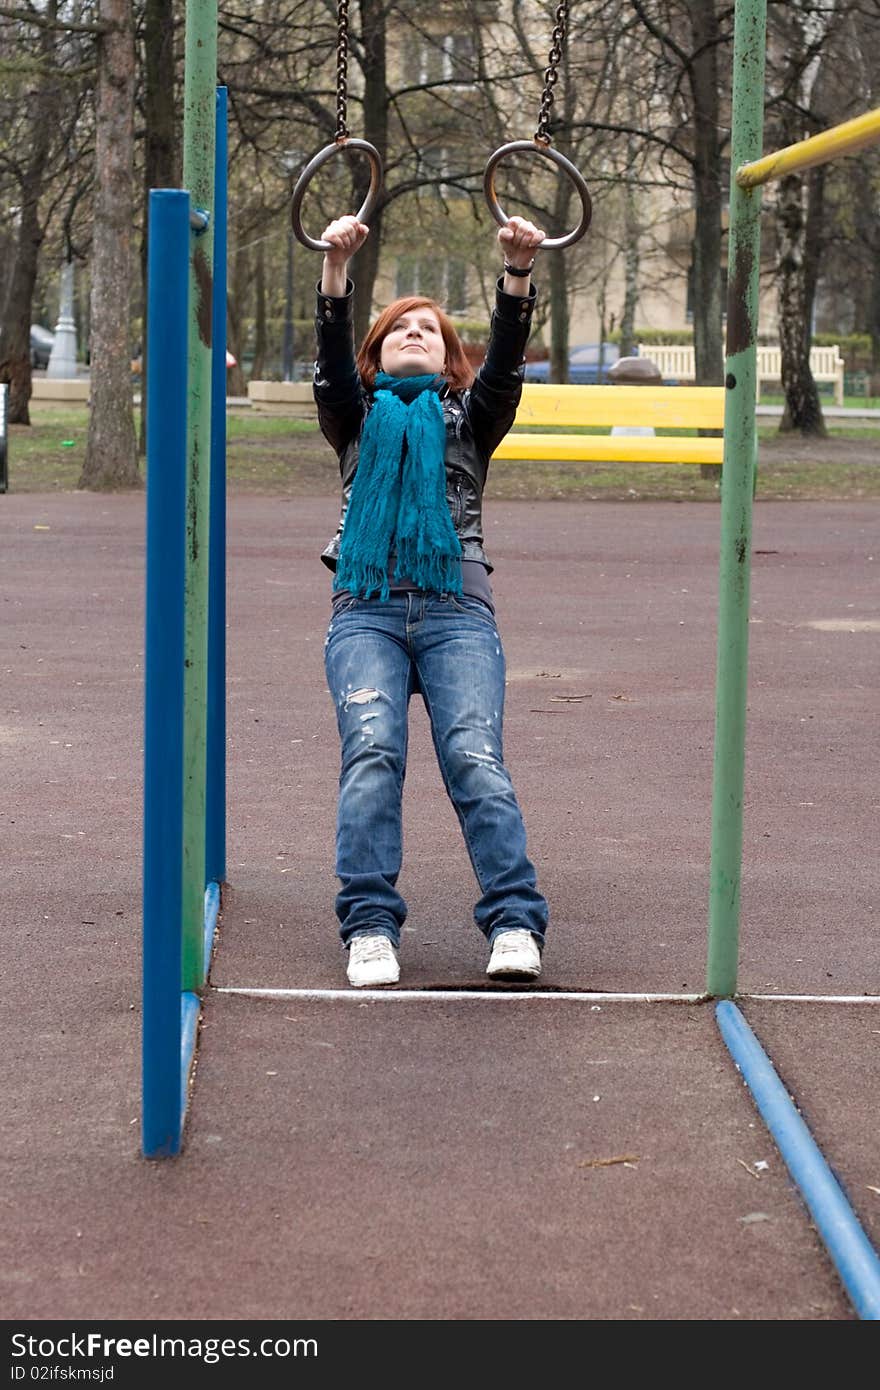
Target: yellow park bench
660, 407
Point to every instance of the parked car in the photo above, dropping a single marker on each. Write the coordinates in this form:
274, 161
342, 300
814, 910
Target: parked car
41, 345
583, 364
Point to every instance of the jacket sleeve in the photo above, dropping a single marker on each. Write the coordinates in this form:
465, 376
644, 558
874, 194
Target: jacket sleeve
495, 394
337, 388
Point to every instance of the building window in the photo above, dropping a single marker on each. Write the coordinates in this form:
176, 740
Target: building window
441, 278
461, 58
447, 58
437, 164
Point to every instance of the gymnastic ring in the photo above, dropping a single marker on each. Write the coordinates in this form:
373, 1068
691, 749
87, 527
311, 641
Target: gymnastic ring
548, 152
308, 173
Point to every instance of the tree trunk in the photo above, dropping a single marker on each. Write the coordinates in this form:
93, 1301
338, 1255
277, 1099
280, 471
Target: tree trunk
557, 272
804, 90
15, 337
235, 381
237, 386
259, 363
630, 267
867, 302
111, 451
365, 265
708, 347
15, 340
874, 326
707, 244
160, 162
868, 203
814, 237
803, 411
554, 265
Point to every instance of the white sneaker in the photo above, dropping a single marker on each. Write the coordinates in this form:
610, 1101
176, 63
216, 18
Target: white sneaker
372, 960
515, 955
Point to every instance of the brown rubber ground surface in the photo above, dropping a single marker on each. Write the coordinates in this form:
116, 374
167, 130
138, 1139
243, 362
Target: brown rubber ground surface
435, 1158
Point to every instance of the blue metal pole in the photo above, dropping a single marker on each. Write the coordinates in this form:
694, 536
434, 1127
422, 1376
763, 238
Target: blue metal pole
846, 1242
167, 319
215, 797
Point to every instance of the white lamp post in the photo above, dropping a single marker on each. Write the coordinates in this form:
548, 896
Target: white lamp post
62, 359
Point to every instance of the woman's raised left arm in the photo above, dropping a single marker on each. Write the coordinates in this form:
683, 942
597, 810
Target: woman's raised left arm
496, 391
519, 241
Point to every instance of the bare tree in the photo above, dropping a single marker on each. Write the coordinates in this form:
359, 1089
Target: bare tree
811, 42
691, 39
430, 89
161, 161
797, 35
26, 157
111, 451
632, 236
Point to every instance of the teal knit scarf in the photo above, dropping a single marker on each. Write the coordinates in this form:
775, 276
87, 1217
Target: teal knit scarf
398, 497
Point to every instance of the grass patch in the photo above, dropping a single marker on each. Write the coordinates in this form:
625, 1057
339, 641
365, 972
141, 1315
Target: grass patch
254, 426
48, 454
280, 456
826, 400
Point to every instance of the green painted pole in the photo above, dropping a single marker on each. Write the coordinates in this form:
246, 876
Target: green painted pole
740, 461
200, 81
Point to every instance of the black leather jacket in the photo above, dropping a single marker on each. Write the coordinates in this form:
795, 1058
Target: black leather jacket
476, 419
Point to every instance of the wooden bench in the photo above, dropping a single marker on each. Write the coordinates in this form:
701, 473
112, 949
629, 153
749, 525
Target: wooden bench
655, 407
826, 364
675, 361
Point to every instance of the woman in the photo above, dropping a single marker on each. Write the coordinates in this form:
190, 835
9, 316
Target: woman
412, 605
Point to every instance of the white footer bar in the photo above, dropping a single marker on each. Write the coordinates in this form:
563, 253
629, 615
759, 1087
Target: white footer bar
583, 997
811, 998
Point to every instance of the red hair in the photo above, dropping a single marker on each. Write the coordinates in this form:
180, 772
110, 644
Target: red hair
459, 372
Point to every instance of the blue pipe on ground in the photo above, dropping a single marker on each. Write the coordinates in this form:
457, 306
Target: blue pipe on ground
856, 1260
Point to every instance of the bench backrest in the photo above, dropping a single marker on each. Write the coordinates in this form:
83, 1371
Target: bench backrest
826, 363
676, 360
663, 407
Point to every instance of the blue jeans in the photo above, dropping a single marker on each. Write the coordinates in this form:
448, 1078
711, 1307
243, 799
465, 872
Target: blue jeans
446, 648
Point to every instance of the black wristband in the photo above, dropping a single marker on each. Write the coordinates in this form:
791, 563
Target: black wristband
517, 270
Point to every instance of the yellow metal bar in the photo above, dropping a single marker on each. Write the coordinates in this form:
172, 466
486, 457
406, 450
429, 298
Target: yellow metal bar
840, 139
607, 448
663, 407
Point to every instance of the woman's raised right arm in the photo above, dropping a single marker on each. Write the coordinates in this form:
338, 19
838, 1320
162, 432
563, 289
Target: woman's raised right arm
346, 236
337, 388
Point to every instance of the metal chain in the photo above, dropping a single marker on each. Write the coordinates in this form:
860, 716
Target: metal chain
542, 134
342, 72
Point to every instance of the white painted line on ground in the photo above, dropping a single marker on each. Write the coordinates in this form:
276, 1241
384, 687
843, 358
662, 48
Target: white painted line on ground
811, 998
596, 997
458, 994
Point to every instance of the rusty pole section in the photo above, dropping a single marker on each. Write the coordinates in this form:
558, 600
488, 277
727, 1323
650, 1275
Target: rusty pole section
200, 81
740, 458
